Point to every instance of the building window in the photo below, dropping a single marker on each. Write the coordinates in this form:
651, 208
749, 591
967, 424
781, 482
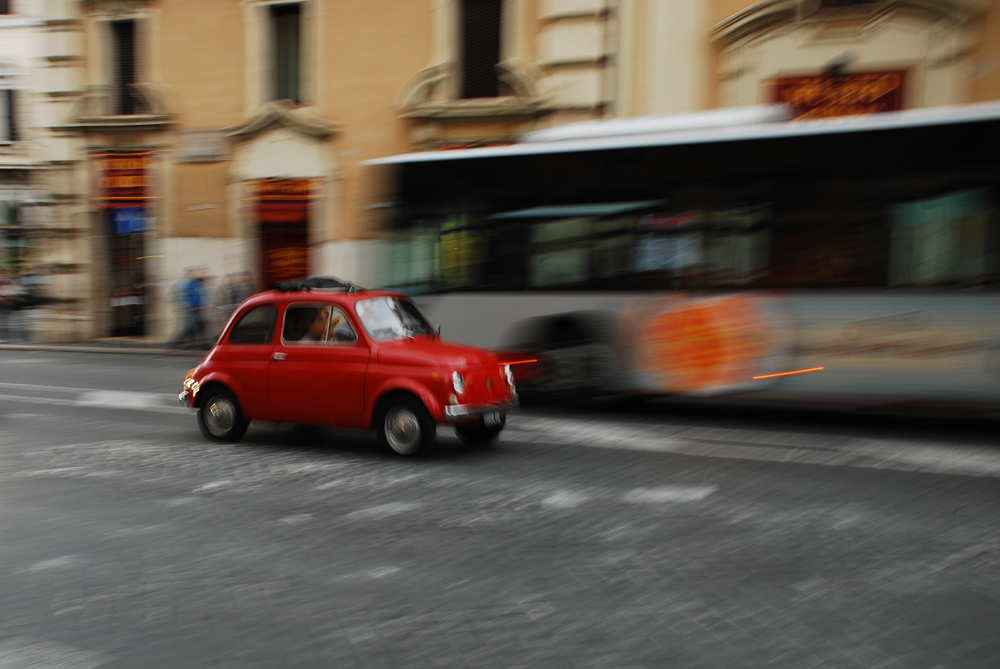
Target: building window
125, 67
481, 23
286, 24
6, 6
8, 116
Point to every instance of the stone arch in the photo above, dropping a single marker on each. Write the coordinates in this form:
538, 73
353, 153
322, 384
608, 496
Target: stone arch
929, 40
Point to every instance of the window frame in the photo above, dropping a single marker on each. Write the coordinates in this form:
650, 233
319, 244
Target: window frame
9, 116
259, 47
462, 57
243, 316
327, 342
275, 11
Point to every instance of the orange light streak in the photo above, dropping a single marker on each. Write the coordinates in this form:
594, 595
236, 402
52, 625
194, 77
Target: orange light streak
519, 362
797, 371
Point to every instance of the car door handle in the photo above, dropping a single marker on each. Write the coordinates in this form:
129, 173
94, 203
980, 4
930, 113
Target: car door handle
279, 356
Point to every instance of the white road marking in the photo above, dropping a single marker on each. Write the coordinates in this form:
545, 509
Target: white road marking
28, 653
57, 389
123, 399
762, 445
93, 397
565, 499
670, 493
54, 563
384, 510
368, 574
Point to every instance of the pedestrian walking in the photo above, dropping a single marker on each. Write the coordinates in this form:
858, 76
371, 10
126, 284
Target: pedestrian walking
192, 301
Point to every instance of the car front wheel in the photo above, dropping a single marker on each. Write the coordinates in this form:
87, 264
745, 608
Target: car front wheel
405, 427
220, 418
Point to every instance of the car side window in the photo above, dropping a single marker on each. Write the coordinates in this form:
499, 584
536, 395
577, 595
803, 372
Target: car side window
316, 324
255, 326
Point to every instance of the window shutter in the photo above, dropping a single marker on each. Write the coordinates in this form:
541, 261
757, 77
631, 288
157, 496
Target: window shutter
5, 116
481, 23
287, 26
12, 116
125, 67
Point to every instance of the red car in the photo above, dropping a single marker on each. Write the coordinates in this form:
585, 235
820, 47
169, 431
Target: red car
344, 357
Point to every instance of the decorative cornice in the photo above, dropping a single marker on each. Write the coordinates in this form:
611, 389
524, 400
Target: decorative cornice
754, 19
474, 109
93, 111
282, 114
415, 98
769, 14
115, 7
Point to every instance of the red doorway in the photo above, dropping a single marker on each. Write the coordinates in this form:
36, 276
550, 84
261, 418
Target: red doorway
282, 212
284, 252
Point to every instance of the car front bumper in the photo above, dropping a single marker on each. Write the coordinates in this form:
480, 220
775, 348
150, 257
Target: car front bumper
460, 413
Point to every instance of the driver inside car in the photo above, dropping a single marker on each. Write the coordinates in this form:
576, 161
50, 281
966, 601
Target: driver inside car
317, 328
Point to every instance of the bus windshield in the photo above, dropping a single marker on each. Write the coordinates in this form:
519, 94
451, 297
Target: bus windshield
388, 318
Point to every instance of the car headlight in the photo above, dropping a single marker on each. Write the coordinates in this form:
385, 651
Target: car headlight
458, 382
509, 374
190, 384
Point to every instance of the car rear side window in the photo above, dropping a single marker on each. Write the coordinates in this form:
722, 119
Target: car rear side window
255, 326
317, 324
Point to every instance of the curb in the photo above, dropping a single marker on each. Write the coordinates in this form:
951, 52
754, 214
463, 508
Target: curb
120, 350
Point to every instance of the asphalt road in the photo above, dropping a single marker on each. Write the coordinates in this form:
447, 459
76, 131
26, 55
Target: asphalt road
657, 535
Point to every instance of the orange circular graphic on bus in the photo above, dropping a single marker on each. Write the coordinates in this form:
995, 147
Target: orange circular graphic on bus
711, 343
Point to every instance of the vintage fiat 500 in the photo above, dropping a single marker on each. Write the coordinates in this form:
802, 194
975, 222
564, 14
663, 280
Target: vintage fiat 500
344, 357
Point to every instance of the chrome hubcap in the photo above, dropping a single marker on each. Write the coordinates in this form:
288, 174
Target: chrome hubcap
402, 430
220, 416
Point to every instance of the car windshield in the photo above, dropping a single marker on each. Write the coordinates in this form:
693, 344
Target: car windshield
391, 318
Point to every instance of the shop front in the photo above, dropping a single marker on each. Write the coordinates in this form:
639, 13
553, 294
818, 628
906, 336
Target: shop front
123, 204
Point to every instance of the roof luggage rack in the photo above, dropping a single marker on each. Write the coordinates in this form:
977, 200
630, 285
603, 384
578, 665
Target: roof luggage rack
328, 283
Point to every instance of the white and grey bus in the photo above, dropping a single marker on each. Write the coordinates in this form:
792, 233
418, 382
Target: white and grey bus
732, 253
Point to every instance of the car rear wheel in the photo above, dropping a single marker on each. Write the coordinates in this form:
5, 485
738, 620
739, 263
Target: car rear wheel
220, 417
405, 427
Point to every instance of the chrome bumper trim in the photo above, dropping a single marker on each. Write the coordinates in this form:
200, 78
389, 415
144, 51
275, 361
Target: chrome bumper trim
459, 411
183, 397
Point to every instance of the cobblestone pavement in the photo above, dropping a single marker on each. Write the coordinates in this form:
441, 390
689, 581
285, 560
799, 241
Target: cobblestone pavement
578, 541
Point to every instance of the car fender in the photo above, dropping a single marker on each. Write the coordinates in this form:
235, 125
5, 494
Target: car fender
402, 383
229, 382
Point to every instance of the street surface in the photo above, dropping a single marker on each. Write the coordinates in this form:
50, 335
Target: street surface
649, 536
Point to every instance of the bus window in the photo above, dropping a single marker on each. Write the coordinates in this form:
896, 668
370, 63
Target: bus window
459, 254
943, 241
411, 258
560, 253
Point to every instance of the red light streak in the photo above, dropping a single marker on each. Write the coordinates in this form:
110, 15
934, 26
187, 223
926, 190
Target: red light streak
520, 362
797, 371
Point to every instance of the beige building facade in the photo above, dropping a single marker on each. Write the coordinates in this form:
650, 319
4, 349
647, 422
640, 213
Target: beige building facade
228, 135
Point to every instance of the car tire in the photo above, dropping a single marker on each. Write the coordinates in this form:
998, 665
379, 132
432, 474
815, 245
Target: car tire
405, 427
477, 435
220, 417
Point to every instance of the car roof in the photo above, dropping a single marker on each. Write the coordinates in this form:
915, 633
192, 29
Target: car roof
319, 295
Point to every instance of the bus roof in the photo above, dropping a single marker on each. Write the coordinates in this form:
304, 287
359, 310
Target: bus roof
722, 125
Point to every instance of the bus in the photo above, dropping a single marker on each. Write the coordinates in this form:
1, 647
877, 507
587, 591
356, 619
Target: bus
736, 254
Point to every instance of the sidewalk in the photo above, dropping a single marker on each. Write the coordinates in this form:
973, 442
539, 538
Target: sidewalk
116, 345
